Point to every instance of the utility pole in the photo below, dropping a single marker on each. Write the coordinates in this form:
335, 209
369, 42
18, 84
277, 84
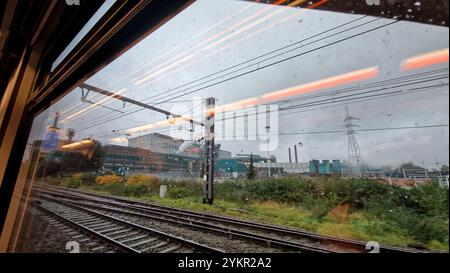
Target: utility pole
441, 181
209, 152
354, 154
268, 152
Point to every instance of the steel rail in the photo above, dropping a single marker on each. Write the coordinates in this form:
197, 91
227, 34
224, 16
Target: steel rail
353, 244
167, 217
171, 237
86, 230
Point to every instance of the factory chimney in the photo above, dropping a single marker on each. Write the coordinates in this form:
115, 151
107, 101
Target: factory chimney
295, 153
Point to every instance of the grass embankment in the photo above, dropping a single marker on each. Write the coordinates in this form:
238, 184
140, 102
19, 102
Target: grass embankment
353, 209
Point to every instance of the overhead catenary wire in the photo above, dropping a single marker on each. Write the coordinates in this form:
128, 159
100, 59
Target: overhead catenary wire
359, 87
263, 55
369, 85
347, 101
358, 130
258, 68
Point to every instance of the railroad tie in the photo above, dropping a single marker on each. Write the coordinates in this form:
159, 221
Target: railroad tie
170, 249
143, 242
134, 239
125, 235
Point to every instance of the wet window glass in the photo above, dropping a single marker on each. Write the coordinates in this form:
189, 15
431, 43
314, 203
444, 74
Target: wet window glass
285, 115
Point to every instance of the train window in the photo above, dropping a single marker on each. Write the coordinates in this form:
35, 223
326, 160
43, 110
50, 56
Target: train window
283, 115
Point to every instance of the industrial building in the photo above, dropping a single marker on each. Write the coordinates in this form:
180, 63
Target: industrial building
129, 159
159, 143
160, 154
326, 167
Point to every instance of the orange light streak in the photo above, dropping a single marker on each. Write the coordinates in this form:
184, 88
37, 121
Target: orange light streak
159, 124
354, 76
425, 60
77, 144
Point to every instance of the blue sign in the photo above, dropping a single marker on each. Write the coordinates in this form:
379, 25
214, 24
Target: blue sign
51, 140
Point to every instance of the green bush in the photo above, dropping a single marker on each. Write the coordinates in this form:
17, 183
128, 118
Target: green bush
118, 189
420, 213
88, 178
180, 192
71, 183
136, 190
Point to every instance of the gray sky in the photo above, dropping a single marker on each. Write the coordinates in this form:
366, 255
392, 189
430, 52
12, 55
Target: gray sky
215, 34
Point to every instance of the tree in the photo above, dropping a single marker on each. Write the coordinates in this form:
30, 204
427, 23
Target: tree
251, 174
444, 169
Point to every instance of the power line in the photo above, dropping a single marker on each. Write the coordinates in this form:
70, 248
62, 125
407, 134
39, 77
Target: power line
356, 130
347, 101
348, 89
350, 98
259, 68
267, 54
374, 84
281, 61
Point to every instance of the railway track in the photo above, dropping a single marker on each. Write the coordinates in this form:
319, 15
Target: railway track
115, 234
266, 234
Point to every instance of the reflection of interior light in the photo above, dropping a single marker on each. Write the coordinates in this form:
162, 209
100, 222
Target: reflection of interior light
118, 140
253, 33
162, 70
77, 145
427, 59
163, 123
209, 42
135, 74
246, 27
354, 76
235, 105
77, 114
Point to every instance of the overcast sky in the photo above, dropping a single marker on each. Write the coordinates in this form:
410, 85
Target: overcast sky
212, 35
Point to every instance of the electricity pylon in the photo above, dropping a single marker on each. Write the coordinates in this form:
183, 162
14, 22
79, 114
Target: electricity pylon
354, 154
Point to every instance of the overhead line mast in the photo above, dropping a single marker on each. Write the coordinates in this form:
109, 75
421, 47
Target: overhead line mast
135, 102
209, 145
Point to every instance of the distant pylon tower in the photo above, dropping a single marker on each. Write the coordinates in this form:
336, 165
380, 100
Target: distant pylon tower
354, 154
